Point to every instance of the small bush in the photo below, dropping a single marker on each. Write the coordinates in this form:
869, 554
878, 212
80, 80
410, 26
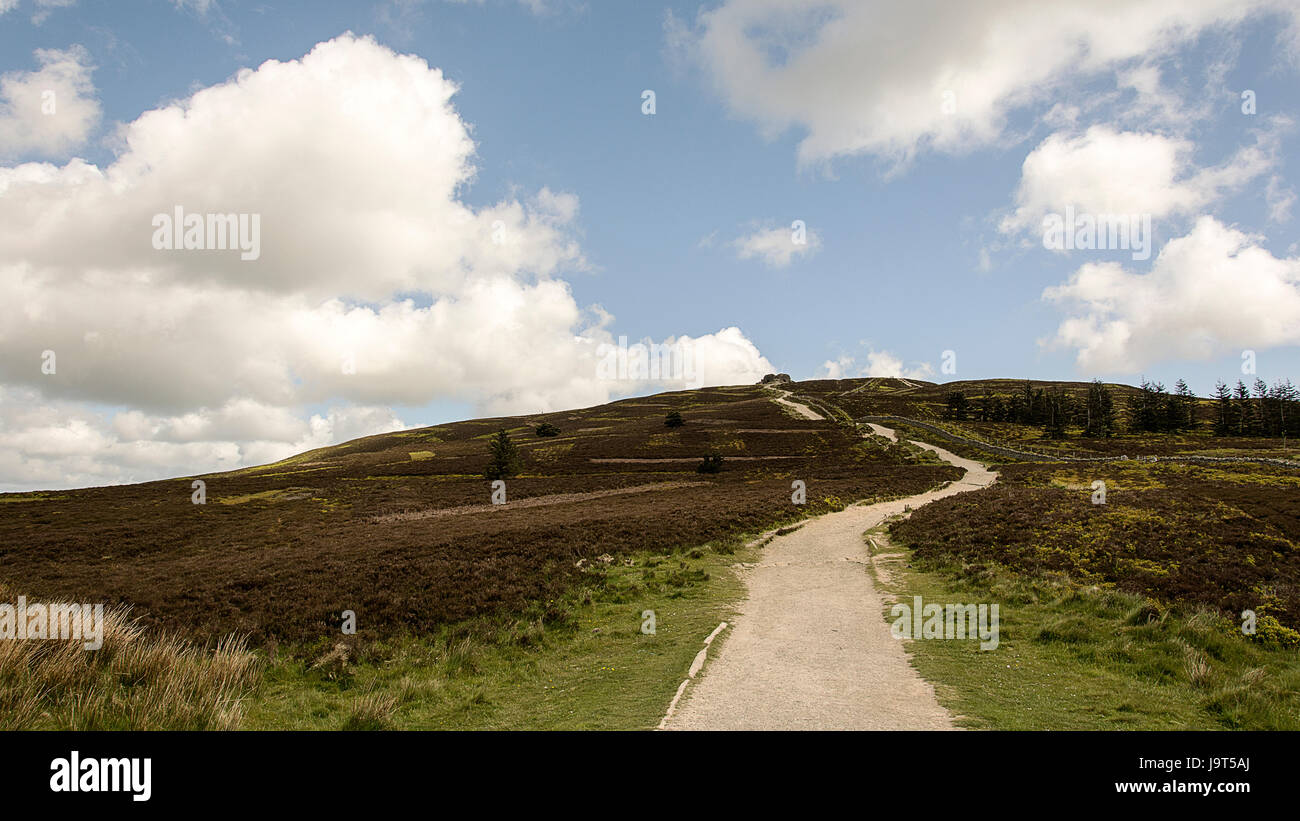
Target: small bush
674, 420
711, 464
547, 429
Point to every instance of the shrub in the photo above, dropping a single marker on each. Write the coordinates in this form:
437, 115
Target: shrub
711, 464
674, 420
547, 429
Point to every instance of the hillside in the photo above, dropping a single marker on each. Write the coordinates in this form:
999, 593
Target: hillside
399, 527
528, 613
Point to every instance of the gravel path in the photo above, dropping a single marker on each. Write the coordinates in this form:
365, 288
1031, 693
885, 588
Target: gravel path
810, 648
532, 501
803, 410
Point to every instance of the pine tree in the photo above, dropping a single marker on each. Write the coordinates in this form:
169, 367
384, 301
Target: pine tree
1262, 420
1289, 408
1147, 409
1223, 410
1245, 415
1184, 406
1056, 412
505, 457
1099, 411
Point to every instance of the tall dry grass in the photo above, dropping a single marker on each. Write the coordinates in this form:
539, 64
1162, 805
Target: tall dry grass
134, 682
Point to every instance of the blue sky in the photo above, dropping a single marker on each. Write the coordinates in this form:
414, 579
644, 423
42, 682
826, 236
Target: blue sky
912, 253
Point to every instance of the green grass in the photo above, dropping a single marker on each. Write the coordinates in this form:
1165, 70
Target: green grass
1089, 658
578, 663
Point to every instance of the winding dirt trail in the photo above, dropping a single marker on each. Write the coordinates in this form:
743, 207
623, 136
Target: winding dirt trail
810, 649
783, 398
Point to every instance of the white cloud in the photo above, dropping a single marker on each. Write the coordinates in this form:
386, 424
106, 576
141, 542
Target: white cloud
890, 79
54, 445
777, 247
377, 285
200, 7
1280, 200
1212, 292
877, 364
45, 7
1105, 171
50, 111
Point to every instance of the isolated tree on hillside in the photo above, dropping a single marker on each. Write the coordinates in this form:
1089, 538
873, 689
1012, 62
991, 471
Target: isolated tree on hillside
505, 457
674, 420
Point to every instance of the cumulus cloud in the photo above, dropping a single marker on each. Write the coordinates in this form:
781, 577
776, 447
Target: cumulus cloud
877, 364
50, 111
777, 247
891, 79
1106, 171
376, 284
55, 444
1212, 292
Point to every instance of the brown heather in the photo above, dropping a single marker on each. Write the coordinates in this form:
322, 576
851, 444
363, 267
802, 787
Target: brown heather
398, 527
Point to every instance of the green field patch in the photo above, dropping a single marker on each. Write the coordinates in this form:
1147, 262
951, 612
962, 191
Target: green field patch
551, 453
287, 494
28, 497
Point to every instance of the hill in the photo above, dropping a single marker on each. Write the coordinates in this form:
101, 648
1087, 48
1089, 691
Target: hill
399, 528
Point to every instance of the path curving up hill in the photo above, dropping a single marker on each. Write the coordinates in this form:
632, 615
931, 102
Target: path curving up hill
810, 648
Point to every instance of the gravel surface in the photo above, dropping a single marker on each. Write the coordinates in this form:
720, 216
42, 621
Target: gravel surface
810, 648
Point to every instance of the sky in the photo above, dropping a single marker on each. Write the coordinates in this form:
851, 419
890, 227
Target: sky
451, 208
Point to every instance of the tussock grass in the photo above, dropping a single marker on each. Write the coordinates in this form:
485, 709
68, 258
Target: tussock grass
135, 681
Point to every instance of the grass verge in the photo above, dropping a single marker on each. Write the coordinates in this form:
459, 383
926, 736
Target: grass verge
581, 662
1075, 657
